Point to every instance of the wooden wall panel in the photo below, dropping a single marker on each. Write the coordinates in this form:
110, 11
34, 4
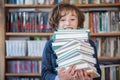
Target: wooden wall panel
2, 41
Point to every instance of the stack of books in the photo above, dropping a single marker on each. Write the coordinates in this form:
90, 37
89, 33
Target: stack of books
72, 48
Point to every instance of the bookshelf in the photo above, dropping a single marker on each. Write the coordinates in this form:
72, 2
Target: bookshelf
2, 39
50, 6
23, 74
28, 34
3, 34
104, 58
23, 58
50, 34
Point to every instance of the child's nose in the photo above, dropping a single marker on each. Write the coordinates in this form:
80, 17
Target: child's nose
67, 22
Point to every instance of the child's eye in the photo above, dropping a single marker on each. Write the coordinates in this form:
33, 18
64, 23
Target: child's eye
72, 19
62, 19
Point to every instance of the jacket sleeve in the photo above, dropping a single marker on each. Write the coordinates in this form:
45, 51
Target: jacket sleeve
97, 62
48, 63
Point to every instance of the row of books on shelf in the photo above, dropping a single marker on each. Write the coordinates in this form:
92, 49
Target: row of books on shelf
27, 21
23, 78
41, 2
23, 66
48, 2
71, 48
37, 21
25, 48
110, 72
91, 1
103, 21
108, 46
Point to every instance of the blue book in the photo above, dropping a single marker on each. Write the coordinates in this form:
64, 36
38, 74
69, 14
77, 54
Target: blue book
45, 22
56, 1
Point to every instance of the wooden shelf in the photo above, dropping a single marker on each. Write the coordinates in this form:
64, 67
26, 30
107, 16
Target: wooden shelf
112, 34
27, 34
50, 34
50, 6
23, 74
27, 6
108, 58
24, 57
39, 58
98, 5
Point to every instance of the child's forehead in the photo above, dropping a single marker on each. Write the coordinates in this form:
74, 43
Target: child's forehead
65, 12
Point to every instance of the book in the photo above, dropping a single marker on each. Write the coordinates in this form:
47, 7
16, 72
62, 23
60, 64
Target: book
68, 34
74, 50
76, 58
63, 34
73, 30
72, 45
71, 53
56, 45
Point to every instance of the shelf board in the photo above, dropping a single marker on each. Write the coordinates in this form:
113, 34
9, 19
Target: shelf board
50, 6
50, 34
108, 58
39, 58
98, 5
28, 34
24, 57
112, 34
27, 6
23, 74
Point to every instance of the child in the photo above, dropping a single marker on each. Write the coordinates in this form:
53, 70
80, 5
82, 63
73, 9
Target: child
64, 16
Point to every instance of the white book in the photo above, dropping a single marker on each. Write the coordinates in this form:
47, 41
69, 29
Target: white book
41, 1
61, 32
71, 54
75, 41
76, 62
17, 1
68, 36
35, 48
86, 23
66, 45
70, 39
16, 47
58, 52
74, 45
59, 43
83, 30
29, 2
99, 47
76, 58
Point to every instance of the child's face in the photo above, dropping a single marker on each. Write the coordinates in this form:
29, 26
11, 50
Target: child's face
68, 20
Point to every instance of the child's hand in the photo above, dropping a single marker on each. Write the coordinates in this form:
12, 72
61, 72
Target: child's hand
68, 74
82, 75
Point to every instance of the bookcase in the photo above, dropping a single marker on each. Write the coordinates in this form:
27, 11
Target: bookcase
4, 8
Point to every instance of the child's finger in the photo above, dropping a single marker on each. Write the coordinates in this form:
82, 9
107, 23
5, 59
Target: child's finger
62, 69
80, 75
